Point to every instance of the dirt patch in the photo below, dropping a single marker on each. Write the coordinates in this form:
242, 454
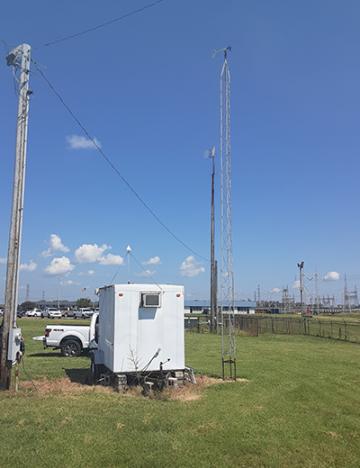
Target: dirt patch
64, 386
190, 392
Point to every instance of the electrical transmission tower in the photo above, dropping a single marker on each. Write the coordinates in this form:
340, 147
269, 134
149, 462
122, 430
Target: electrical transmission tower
350, 297
286, 300
228, 347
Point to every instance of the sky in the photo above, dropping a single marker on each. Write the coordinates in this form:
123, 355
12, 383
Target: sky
147, 88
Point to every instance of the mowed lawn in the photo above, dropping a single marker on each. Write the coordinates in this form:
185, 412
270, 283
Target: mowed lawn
300, 407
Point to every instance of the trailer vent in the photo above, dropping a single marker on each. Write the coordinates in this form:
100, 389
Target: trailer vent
150, 300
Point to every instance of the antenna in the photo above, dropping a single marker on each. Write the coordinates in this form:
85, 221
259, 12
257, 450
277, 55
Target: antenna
228, 343
224, 50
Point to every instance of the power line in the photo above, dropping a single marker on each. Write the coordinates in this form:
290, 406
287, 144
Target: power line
101, 25
141, 267
112, 165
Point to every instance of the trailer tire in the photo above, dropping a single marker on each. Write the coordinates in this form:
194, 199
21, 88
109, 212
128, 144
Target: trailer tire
95, 372
71, 347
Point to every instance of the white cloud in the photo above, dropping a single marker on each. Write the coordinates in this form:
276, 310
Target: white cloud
153, 261
90, 253
93, 253
68, 283
59, 266
190, 267
87, 273
55, 245
3, 260
81, 142
296, 284
146, 273
332, 276
275, 290
111, 259
31, 266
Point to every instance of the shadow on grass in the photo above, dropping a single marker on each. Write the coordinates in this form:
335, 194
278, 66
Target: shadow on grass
56, 354
45, 355
81, 376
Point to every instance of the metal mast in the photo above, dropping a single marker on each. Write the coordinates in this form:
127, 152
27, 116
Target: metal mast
19, 59
301, 272
346, 295
317, 299
213, 281
228, 348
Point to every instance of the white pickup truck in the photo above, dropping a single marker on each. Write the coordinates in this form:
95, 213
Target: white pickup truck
72, 340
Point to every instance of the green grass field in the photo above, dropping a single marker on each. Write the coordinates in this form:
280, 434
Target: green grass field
299, 408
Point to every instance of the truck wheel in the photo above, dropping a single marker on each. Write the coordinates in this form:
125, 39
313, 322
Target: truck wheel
71, 348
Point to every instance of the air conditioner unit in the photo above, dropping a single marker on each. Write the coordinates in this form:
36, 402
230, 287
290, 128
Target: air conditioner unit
151, 299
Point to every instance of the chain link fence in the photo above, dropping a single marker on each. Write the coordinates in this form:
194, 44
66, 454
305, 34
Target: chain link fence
255, 325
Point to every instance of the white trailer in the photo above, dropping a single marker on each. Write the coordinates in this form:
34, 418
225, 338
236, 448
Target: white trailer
140, 334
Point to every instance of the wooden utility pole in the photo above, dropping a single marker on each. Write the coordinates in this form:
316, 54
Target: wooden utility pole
19, 58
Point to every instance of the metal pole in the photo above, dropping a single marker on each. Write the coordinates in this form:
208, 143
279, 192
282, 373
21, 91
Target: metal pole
301, 267
216, 308
212, 246
19, 58
317, 300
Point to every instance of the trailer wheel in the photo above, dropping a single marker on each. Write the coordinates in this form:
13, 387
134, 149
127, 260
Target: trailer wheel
71, 348
95, 372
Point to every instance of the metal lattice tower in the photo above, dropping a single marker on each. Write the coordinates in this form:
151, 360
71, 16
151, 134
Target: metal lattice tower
228, 348
350, 296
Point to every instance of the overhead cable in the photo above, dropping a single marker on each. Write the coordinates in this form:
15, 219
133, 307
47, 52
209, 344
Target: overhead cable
100, 25
112, 165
